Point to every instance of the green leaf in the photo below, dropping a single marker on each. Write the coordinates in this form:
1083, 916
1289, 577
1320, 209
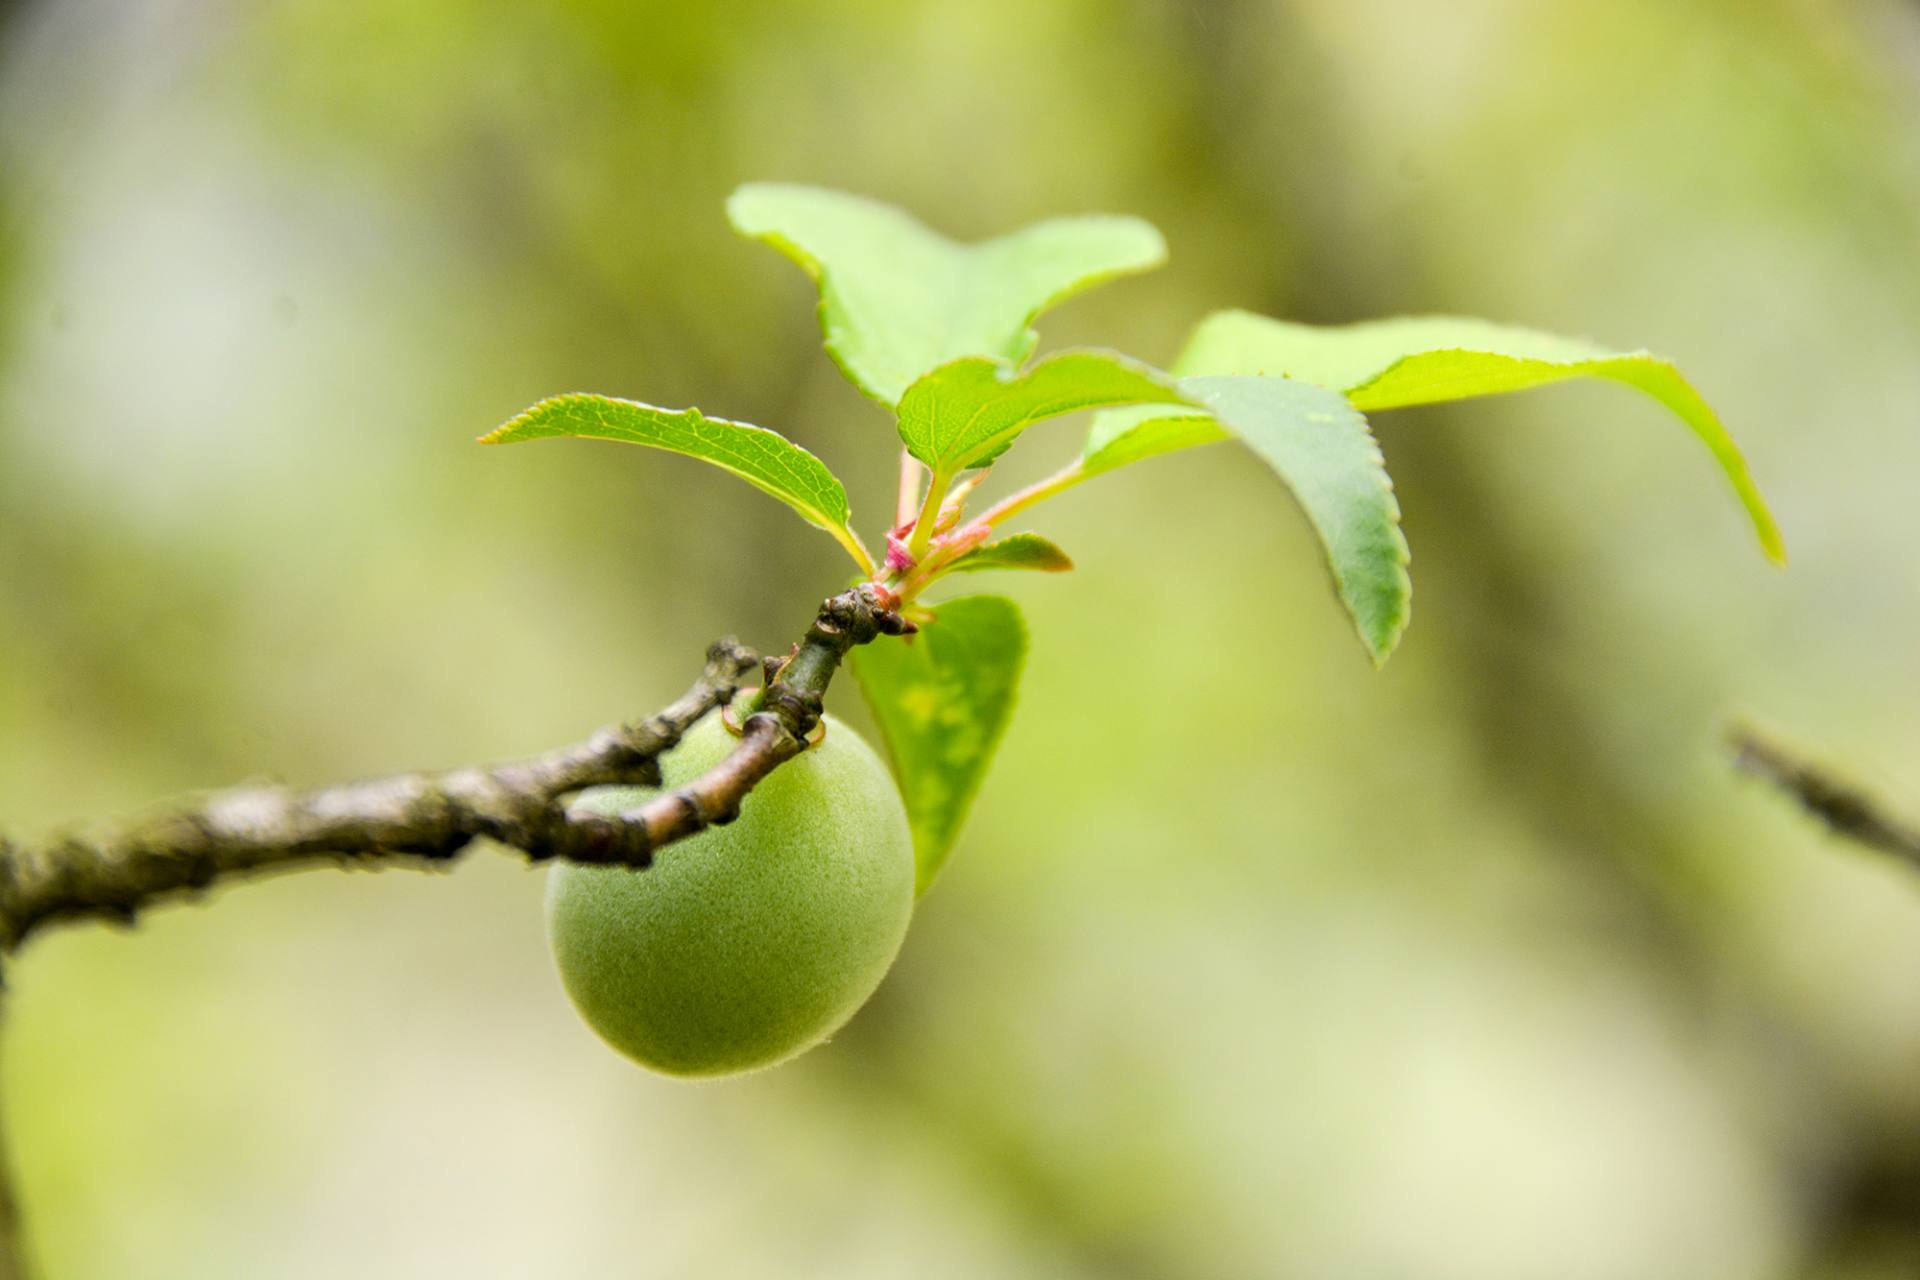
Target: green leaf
764, 459
942, 699
1016, 551
1138, 432
964, 414
898, 299
1320, 446
1427, 359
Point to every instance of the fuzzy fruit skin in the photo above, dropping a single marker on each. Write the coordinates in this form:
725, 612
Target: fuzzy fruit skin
751, 942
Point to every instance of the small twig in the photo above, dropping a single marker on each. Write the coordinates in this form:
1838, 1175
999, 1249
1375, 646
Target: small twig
431, 818
1039, 491
1847, 809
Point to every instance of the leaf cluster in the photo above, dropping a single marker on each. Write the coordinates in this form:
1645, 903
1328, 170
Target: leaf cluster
941, 335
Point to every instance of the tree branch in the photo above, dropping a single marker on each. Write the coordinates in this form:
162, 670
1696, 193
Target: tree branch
1847, 810
13, 1250
431, 818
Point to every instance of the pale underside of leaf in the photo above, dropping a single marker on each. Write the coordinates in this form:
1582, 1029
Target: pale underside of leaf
1389, 364
764, 459
1016, 551
1135, 433
898, 299
965, 413
942, 699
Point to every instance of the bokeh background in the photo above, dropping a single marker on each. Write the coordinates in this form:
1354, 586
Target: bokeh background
1252, 962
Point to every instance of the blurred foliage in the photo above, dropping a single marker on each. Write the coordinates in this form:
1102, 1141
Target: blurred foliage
1251, 961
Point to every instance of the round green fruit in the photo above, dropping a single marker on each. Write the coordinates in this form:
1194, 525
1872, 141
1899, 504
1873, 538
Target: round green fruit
750, 942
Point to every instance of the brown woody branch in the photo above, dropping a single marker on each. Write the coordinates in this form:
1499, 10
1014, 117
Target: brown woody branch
431, 818
1846, 809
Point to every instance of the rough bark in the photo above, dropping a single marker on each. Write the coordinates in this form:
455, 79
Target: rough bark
116, 871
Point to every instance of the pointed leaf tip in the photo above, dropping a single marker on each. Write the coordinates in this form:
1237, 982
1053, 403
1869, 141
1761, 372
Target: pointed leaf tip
1016, 551
1320, 447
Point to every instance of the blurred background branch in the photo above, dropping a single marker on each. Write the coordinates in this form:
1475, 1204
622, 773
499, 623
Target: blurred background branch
1847, 809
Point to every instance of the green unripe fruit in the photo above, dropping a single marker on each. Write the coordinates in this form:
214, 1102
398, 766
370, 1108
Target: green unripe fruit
750, 942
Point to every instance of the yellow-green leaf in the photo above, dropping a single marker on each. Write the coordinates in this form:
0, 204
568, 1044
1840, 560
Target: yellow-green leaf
764, 459
898, 299
967, 412
1137, 432
1386, 364
1016, 551
942, 699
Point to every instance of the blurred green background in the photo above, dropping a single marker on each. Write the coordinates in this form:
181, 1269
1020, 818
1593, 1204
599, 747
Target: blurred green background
1252, 962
